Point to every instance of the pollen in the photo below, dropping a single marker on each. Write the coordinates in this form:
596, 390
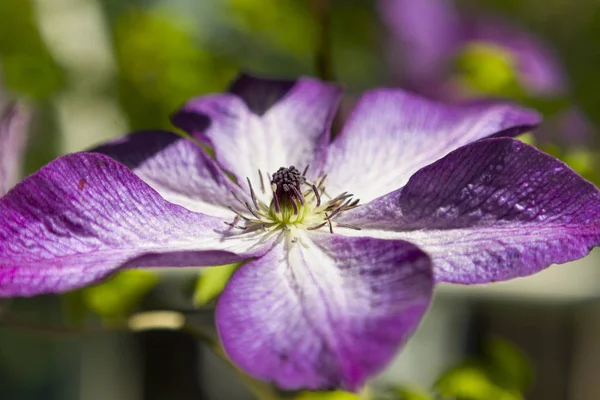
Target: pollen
296, 204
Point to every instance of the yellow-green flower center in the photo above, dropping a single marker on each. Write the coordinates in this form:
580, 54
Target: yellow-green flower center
296, 204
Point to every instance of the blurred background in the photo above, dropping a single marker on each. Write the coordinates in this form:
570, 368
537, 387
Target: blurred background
90, 70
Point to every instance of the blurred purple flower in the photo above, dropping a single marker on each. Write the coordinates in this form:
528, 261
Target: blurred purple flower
332, 287
429, 38
13, 137
429, 35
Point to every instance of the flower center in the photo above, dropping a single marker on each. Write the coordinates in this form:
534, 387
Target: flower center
296, 203
286, 185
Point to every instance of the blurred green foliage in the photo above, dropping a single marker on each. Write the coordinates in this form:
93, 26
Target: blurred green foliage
162, 65
120, 295
502, 373
27, 66
410, 393
584, 161
74, 309
290, 19
35, 366
472, 383
335, 395
29, 72
113, 300
211, 283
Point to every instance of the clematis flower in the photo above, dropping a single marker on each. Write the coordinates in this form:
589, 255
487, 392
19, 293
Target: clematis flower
13, 136
443, 53
343, 240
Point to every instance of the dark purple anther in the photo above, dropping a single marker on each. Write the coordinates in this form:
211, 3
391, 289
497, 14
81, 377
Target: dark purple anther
288, 187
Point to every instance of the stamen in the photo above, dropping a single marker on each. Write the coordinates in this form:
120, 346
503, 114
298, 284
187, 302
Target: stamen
321, 181
305, 170
235, 219
252, 194
356, 228
237, 213
237, 198
317, 195
312, 228
251, 210
337, 210
328, 220
234, 223
341, 197
298, 195
262, 183
295, 206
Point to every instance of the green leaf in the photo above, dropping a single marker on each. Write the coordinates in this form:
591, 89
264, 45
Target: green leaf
471, 381
163, 61
411, 393
211, 283
291, 22
335, 395
502, 373
120, 295
28, 67
508, 366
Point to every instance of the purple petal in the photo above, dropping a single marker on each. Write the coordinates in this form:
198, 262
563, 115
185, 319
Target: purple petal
327, 312
490, 211
84, 216
392, 134
264, 124
13, 136
426, 33
178, 169
568, 129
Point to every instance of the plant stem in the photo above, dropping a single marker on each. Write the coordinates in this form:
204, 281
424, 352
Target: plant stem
323, 58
